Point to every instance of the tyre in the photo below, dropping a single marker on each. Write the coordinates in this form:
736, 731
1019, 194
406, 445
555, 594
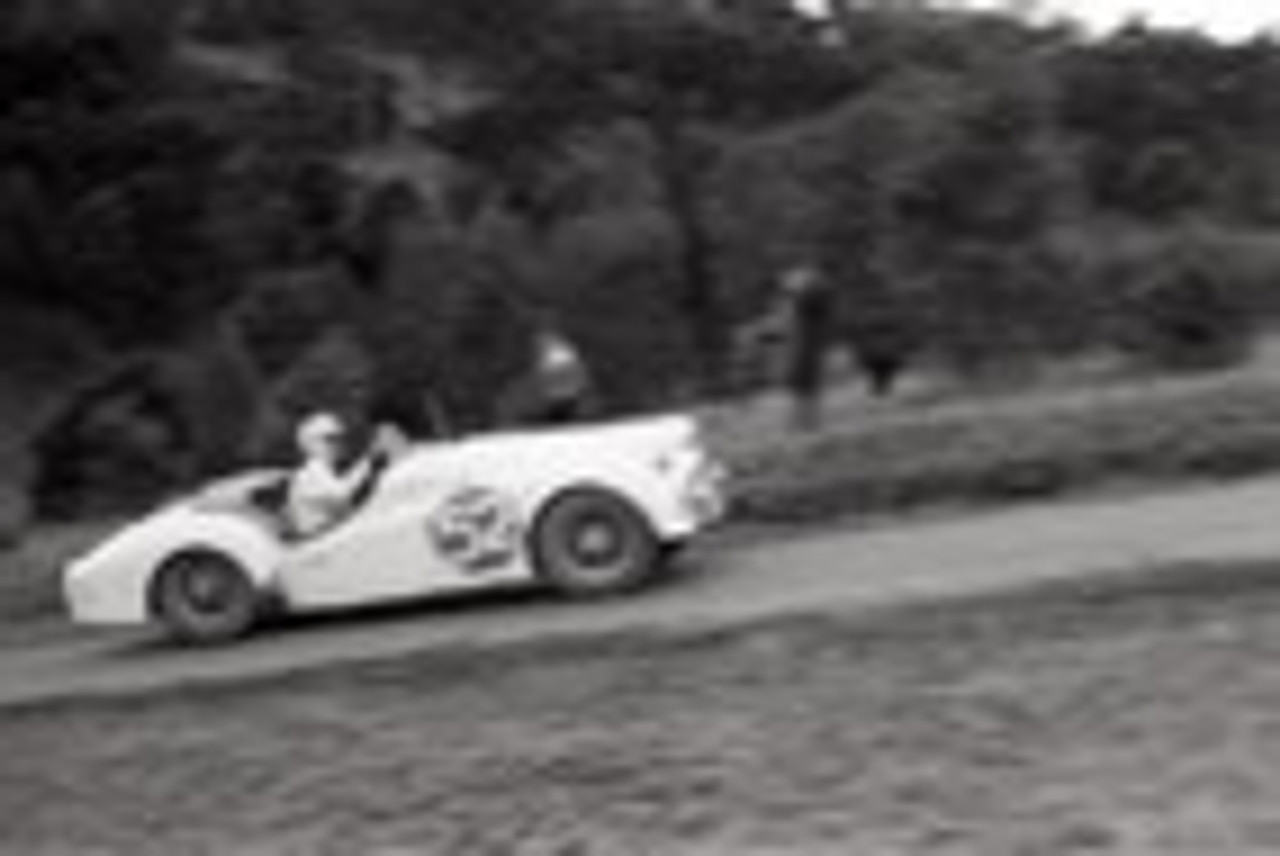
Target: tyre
204, 598
591, 542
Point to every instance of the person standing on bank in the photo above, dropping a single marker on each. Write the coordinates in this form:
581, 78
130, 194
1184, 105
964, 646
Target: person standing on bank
808, 304
563, 384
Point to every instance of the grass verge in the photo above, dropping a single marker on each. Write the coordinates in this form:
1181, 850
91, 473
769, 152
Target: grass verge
889, 459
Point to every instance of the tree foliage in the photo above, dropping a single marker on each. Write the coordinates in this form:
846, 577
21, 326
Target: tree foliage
443, 179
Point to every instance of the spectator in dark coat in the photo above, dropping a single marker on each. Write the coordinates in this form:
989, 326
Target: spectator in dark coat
809, 307
557, 389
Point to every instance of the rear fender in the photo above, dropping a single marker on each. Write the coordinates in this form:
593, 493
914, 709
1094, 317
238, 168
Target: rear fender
250, 543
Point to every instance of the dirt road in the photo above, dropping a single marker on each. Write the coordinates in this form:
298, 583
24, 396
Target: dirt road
727, 583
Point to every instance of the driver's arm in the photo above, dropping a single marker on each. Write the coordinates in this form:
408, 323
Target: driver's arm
374, 465
348, 481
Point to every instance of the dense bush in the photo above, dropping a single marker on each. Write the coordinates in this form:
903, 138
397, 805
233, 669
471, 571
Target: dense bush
1187, 316
120, 441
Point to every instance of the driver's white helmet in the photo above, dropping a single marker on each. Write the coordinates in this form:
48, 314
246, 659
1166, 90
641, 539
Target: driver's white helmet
317, 433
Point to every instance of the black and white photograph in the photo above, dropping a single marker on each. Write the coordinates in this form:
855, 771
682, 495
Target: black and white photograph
639, 428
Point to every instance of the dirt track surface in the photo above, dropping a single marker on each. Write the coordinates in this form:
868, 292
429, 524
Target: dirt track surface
828, 572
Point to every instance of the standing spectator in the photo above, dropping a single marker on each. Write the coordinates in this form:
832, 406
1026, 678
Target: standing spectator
556, 388
563, 383
808, 305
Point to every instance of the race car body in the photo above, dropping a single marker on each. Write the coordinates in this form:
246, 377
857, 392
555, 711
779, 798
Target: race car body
587, 510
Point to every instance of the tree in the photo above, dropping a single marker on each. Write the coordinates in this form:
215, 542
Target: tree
112, 177
977, 217
678, 76
876, 153
1170, 120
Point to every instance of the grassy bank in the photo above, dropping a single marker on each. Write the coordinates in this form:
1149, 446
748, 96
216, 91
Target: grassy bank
1135, 717
29, 584
884, 458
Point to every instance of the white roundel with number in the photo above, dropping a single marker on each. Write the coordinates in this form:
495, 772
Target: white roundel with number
477, 529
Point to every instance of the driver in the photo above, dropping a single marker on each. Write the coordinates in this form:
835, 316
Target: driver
327, 482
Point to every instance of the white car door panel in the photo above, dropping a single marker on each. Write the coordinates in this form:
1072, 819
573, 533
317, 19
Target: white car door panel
380, 552
440, 535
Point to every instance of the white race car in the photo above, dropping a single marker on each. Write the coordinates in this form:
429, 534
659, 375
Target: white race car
587, 510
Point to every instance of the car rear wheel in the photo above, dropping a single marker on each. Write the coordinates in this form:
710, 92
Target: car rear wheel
591, 542
204, 598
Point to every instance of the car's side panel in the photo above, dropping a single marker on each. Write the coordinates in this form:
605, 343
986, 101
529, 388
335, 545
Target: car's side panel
418, 535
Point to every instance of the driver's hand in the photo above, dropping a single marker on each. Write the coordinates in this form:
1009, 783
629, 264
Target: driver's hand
389, 442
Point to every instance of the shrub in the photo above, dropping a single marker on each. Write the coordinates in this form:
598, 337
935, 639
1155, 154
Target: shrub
119, 442
334, 374
1187, 308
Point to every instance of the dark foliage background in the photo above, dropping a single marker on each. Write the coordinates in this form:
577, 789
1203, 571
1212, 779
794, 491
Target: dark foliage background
215, 214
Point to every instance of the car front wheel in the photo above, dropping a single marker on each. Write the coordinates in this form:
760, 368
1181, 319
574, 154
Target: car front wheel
592, 542
204, 597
